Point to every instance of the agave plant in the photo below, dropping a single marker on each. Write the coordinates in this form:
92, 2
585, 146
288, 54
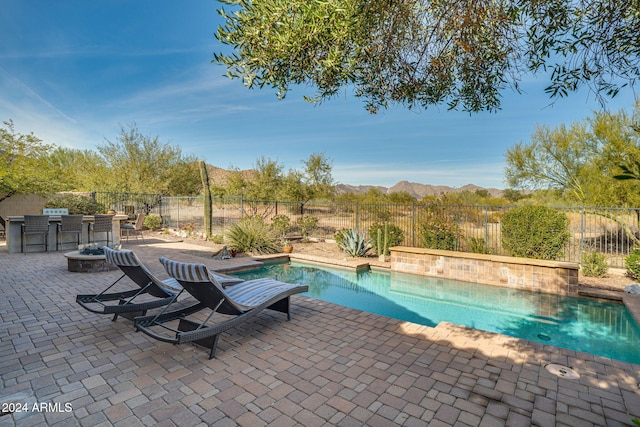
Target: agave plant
353, 243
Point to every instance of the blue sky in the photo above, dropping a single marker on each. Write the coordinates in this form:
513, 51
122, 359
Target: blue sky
74, 71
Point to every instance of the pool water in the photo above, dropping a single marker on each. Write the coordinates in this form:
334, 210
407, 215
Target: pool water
601, 328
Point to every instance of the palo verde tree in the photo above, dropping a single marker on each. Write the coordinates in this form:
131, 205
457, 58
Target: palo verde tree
313, 182
142, 164
317, 177
84, 170
420, 53
580, 160
267, 181
24, 165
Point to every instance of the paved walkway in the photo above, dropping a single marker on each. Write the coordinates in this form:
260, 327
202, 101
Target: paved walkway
329, 365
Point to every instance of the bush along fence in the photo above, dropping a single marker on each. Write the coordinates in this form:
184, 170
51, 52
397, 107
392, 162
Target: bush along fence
609, 232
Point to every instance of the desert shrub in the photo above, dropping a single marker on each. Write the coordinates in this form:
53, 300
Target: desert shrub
76, 204
338, 236
353, 243
632, 262
307, 224
382, 233
594, 264
252, 234
439, 232
478, 245
153, 222
281, 225
535, 232
217, 239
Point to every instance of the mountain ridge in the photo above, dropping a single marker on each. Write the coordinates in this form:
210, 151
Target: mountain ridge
416, 189
219, 176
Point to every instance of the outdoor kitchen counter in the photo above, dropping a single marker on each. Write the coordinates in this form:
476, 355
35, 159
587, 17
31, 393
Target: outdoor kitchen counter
14, 230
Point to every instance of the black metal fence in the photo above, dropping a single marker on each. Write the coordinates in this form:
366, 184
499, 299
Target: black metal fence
611, 231
130, 203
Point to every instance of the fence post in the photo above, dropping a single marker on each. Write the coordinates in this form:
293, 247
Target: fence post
486, 226
413, 224
178, 216
583, 226
357, 217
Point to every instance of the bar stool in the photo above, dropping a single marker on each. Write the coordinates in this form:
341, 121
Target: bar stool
135, 228
69, 224
35, 225
102, 224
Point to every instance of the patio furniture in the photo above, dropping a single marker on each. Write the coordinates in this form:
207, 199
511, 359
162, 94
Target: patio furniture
69, 224
101, 224
164, 291
241, 301
130, 211
35, 225
135, 228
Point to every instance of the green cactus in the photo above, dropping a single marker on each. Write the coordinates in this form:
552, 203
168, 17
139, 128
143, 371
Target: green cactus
207, 198
385, 245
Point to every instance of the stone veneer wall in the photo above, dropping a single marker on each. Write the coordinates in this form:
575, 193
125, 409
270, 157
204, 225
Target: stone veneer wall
553, 277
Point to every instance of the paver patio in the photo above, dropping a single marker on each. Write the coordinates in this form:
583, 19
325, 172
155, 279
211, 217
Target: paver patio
329, 365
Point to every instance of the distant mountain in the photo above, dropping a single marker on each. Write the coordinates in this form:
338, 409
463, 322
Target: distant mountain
219, 176
415, 189
359, 189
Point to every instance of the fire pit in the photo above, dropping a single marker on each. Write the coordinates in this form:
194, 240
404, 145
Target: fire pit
88, 259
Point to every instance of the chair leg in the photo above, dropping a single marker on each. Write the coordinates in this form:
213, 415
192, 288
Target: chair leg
214, 346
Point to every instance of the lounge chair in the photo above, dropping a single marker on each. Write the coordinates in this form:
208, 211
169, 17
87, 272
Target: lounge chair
164, 291
242, 301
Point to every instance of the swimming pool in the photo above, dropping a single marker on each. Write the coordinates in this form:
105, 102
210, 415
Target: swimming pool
601, 328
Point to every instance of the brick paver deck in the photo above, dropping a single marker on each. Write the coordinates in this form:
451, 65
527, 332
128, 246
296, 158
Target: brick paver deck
329, 365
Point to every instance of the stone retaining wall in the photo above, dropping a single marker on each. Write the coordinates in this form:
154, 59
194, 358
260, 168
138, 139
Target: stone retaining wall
520, 273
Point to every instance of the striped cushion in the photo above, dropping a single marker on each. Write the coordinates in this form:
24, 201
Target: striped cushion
123, 257
254, 292
127, 258
184, 272
245, 295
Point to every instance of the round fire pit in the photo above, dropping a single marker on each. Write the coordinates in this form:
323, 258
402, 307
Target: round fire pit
79, 263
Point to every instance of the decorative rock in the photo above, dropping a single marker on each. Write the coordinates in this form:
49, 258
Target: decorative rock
222, 254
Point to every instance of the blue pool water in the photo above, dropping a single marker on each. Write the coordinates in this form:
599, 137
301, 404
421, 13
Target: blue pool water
595, 327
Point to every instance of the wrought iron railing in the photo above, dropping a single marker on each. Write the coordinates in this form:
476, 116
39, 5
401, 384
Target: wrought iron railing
611, 231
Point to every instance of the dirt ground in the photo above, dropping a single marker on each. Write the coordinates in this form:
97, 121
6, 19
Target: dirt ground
616, 279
